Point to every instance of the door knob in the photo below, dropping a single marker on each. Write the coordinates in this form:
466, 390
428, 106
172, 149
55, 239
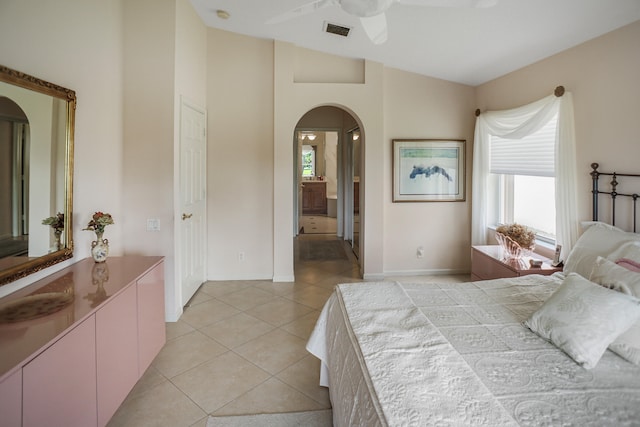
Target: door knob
186, 216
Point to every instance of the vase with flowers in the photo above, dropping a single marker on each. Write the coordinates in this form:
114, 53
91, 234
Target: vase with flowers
57, 224
100, 246
516, 240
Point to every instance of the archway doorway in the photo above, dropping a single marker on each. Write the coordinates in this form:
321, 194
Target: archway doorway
317, 165
327, 143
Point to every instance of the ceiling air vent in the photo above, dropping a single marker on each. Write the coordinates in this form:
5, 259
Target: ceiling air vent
337, 29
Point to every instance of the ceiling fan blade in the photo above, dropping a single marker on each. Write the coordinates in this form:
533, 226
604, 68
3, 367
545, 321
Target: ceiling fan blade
365, 8
451, 3
305, 9
376, 28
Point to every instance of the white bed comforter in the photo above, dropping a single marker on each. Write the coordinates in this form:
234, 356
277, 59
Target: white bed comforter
456, 354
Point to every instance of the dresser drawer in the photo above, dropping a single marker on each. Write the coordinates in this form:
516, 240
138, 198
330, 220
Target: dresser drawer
488, 268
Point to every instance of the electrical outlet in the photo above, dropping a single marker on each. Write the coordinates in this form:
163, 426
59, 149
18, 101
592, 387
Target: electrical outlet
420, 252
240, 256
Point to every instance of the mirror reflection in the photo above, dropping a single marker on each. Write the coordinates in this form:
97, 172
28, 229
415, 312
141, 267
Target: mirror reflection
35, 153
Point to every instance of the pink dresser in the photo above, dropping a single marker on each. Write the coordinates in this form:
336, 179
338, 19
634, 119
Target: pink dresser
74, 344
489, 262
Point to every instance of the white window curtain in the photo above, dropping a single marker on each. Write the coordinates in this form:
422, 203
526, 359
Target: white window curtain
533, 155
517, 123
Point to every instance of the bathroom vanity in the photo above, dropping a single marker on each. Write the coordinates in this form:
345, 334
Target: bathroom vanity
73, 344
314, 197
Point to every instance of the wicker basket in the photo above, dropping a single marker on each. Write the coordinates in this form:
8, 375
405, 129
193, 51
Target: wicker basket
511, 248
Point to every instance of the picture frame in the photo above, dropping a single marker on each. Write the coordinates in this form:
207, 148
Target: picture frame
428, 170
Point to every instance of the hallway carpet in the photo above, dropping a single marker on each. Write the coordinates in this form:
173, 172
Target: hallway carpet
322, 250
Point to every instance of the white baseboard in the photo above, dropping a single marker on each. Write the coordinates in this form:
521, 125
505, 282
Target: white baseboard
173, 317
284, 278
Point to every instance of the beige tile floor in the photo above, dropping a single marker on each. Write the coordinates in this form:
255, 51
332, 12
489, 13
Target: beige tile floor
239, 348
318, 224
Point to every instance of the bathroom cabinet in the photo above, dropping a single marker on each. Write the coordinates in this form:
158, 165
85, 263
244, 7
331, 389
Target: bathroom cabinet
75, 366
314, 198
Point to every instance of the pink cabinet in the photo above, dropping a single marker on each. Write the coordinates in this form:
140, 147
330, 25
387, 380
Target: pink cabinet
75, 367
59, 385
151, 329
117, 352
10, 400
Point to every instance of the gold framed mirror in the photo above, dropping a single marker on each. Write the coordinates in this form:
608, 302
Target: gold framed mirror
36, 174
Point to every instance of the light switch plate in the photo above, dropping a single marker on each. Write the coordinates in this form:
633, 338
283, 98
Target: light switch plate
153, 224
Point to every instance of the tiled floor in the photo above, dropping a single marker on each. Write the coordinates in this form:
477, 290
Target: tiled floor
318, 224
239, 348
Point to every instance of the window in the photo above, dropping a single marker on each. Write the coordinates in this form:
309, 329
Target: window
521, 122
525, 171
529, 200
308, 160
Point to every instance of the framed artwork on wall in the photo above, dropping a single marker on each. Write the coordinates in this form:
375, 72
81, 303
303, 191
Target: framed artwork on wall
428, 170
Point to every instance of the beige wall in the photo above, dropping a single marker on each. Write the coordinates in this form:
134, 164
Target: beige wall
78, 45
292, 100
255, 92
402, 105
240, 156
164, 63
190, 57
149, 75
129, 73
422, 107
603, 75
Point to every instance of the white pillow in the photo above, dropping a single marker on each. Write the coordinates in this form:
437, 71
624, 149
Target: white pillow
583, 318
627, 345
612, 276
598, 239
629, 250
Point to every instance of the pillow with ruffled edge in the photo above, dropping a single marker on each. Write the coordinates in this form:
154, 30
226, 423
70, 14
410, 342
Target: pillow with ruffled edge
613, 276
627, 255
629, 264
597, 239
582, 318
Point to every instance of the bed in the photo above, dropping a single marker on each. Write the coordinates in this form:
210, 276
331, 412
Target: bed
528, 351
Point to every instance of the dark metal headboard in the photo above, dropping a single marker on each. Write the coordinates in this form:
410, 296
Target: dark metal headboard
595, 175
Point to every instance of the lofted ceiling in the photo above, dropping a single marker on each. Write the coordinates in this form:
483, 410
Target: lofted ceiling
469, 45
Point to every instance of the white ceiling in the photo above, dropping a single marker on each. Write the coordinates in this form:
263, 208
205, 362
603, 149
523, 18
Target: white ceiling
465, 45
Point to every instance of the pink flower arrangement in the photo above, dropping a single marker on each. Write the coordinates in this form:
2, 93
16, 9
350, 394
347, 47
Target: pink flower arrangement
56, 222
98, 222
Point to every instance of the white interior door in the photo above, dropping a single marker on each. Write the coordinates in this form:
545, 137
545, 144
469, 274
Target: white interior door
192, 213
